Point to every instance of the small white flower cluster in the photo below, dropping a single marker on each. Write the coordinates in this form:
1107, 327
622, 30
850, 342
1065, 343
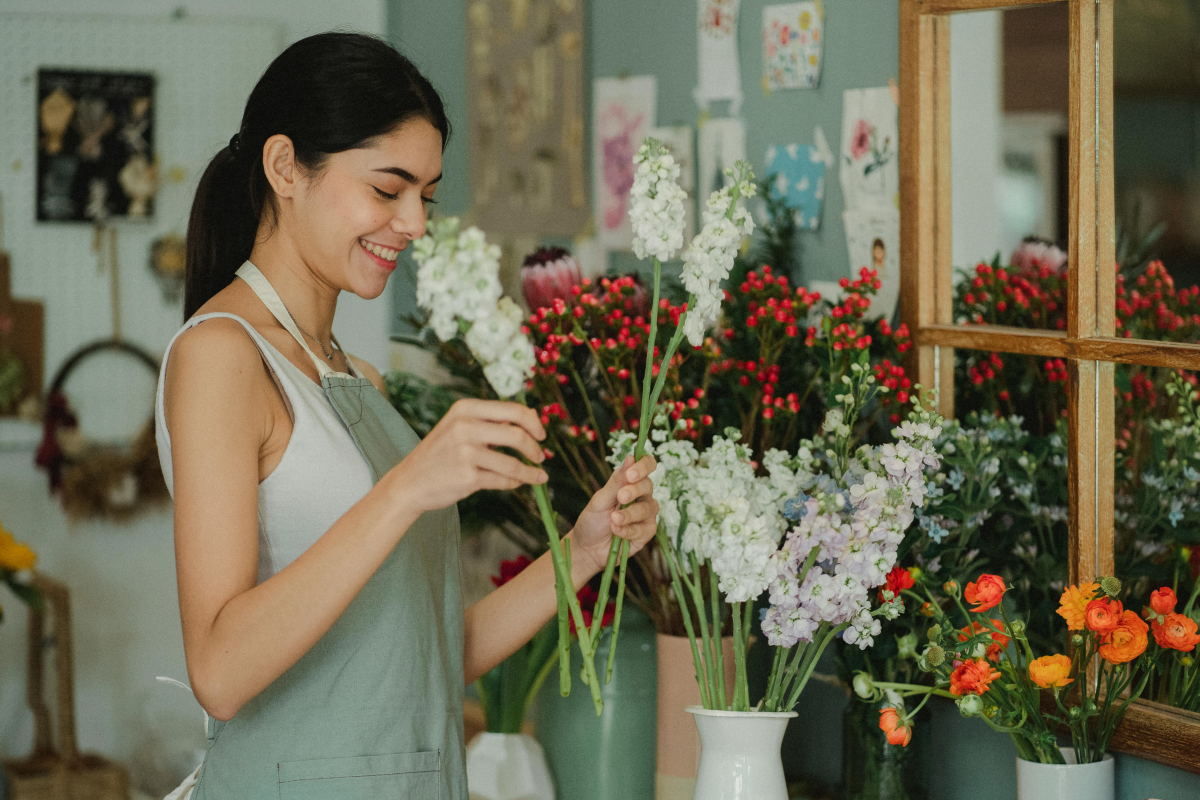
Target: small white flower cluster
458, 283
707, 262
847, 534
656, 203
734, 518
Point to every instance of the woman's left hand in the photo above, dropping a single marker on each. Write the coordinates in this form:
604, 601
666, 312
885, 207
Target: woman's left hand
606, 516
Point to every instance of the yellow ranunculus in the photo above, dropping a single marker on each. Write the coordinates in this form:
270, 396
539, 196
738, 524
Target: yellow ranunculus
15, 556
1050, 671
1073, 604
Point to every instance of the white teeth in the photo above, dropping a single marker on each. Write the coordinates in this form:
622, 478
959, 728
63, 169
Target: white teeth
386, 253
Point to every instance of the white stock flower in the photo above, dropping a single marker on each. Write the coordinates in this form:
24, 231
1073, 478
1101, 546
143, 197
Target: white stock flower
707, 262
656, 203
458, 275
458, 283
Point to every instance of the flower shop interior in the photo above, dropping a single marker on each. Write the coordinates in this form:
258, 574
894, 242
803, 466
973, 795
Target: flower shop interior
929, 465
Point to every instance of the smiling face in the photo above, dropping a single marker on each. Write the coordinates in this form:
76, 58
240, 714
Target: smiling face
349, 220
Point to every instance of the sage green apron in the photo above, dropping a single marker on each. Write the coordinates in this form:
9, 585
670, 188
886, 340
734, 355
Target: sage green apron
374, 709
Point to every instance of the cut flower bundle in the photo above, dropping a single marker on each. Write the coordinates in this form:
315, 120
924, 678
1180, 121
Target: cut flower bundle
989, 669
819, 530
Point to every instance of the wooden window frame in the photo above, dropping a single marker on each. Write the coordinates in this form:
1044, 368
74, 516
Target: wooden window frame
1089, 345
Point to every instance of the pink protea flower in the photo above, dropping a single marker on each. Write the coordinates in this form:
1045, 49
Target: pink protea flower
1034, 254
548, 275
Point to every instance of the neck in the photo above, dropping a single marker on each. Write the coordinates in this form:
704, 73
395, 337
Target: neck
310, 299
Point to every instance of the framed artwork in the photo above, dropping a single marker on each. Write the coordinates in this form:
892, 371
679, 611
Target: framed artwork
526, 97
95, 153
623, 111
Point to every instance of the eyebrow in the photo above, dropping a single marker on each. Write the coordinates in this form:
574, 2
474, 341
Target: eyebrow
404, 174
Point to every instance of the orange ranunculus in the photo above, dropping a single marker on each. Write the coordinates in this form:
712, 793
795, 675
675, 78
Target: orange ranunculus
889, 723
1126, 641
15, 556
972, 677
1103, 615
1176, 632
999, 640
1163, 600
1073, 604
1050, 671
986, 593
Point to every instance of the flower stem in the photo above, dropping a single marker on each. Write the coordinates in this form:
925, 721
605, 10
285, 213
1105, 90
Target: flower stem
718, 629
701, 673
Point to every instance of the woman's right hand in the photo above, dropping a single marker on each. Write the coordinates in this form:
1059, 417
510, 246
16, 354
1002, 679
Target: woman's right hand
459, 456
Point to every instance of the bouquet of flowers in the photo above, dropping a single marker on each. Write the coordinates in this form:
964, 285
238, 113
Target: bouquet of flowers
17, 560
840, 512
988, 667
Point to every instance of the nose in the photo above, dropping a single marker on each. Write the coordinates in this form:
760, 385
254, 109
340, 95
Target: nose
410, 217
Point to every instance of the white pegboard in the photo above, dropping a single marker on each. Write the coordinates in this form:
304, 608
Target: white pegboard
205, 69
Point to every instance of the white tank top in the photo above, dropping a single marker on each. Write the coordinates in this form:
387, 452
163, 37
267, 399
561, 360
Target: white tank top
320, 476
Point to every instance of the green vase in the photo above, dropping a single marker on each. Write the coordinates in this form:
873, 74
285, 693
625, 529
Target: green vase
610, 757
871, 768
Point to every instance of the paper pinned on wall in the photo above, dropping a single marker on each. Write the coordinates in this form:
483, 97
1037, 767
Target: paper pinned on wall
722, 143
720, 76
799, 174
623, 110
869, 174
678, 141
793, 37
873, 239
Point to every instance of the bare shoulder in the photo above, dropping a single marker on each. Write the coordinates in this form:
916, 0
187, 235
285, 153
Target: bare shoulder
369, 372
214, 367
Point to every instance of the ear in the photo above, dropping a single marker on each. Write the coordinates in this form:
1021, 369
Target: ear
279, 164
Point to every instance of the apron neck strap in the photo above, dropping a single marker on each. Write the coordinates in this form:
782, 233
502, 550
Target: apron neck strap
270, 298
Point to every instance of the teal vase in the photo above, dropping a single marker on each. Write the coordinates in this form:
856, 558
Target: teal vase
610, 757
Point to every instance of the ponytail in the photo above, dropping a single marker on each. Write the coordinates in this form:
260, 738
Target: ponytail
328, 93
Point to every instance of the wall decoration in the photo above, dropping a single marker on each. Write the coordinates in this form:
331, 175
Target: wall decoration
720, 75
873, 239
792, 42
799, 174
722, 143
526, 116
168, 257
678, 141
870, 174
95, 480
95, 145
21, 347
623, 110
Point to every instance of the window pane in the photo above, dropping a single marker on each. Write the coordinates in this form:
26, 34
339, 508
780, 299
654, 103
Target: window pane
1009, 157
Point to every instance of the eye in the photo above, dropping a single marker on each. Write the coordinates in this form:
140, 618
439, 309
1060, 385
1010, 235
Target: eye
428, 200
384, 194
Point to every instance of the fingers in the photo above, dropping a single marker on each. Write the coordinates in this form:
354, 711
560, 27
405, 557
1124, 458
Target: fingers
510, 436
508, 468
637, 522
641, 469
503, 411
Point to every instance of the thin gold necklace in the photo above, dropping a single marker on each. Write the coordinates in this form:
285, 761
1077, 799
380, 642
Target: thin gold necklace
328, 355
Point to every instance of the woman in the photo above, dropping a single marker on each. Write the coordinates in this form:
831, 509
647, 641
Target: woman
316, 537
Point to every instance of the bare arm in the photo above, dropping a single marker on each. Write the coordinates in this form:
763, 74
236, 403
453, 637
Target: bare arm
239, 636
500, 623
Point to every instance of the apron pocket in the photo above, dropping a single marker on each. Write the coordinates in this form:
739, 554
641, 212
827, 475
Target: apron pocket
415, 776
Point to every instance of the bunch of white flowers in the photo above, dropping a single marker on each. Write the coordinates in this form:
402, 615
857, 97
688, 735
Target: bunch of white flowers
458, 275
846, 534
458, 283
707, 262
656, 203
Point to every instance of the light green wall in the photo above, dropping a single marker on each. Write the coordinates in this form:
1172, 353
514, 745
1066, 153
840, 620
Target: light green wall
637, 37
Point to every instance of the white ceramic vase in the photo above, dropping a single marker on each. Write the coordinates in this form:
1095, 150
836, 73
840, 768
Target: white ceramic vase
739, 754
1070, 781
507, 766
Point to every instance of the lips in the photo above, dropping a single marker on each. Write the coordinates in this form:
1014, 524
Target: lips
379, 251
383, 257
